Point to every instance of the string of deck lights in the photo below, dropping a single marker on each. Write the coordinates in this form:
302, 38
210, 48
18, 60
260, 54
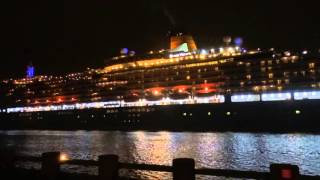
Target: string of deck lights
282, 96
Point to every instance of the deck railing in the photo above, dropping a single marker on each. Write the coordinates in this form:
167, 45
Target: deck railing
181, 169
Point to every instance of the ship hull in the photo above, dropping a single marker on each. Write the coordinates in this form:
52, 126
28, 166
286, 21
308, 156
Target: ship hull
279, 116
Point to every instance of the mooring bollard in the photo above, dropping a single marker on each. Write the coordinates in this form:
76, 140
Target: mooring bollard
50, 165
183, 169
284, 172
108, 167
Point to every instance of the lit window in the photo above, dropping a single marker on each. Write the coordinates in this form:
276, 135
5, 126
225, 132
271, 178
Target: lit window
298, 112
286, 81
270, 75
276, 96
311, 65
188, 77
228, 113
184, 114
245, 98
209, 113
279, 81
307, 95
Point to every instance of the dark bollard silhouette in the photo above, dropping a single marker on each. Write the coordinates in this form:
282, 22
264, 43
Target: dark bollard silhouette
284, 172
108, 167
7, 160
50, 166
183, 169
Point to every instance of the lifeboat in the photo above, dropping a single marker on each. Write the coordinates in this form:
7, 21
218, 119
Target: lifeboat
179, 95
133, 96
155, 94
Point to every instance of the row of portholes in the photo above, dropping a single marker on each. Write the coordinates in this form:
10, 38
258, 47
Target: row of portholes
112, 111
141, 110
134, 115
94, 116
131, 121
228, 113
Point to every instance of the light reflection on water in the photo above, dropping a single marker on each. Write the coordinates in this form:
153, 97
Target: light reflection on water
242, 151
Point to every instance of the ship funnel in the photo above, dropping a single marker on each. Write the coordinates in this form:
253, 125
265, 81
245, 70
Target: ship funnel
181, 39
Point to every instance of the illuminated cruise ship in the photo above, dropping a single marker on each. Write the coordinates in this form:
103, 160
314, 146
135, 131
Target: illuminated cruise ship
182, 88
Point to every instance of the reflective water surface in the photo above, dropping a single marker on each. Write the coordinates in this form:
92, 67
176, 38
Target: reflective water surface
241, 151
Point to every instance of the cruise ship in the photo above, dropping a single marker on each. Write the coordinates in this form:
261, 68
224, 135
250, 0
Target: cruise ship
227, 88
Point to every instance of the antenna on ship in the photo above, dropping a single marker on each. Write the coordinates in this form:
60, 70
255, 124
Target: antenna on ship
227, 40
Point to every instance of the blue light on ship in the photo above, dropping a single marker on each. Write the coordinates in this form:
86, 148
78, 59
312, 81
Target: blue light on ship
238, 41
30, 71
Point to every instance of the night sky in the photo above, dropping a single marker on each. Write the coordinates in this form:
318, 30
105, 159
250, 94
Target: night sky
60, 36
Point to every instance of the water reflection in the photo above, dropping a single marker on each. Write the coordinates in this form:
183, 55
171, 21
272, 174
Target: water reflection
243, 151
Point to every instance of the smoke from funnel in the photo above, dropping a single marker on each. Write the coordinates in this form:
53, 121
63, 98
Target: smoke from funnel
170, 17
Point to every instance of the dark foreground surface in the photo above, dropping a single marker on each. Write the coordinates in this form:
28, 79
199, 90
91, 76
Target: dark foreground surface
29, 174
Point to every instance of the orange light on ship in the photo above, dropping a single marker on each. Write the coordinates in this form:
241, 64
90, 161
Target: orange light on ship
181, 88
156, 92
59, 100
73, 99
135, 94
206, 90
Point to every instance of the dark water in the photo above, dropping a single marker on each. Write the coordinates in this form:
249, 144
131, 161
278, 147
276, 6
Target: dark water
241, 151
